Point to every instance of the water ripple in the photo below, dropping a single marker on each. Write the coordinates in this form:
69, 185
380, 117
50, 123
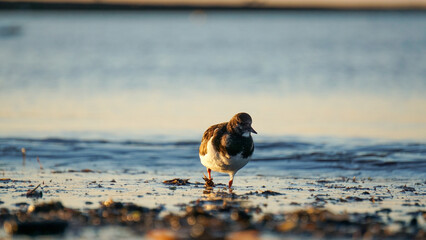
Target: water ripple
274, 155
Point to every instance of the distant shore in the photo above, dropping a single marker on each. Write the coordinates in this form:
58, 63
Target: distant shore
212, 5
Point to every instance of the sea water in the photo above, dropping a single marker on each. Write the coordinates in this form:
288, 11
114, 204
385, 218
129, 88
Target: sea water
335, 93
298, 73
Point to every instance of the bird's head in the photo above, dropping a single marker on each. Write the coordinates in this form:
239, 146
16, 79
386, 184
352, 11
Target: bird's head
241, 124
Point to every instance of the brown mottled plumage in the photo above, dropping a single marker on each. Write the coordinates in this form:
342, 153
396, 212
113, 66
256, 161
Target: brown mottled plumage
226, 147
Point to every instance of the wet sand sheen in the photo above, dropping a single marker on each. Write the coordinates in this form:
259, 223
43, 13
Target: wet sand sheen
292, 187
391, 202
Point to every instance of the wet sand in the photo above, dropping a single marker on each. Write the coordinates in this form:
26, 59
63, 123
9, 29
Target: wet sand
133, 203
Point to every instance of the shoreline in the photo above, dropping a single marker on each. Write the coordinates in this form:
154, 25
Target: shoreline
182, 6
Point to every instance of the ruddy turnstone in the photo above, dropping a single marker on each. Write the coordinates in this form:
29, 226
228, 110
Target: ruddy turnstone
227, 147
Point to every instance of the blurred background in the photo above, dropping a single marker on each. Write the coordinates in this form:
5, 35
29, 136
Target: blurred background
303, 68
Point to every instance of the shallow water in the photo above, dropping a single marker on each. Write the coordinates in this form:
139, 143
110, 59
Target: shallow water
273, 156
297, 73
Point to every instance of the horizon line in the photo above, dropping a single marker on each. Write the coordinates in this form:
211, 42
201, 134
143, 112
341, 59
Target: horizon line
364, 5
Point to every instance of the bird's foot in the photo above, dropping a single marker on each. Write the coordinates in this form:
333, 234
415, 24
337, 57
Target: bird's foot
209, 181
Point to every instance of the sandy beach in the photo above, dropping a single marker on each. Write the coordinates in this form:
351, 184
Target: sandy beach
75, 202
78, 203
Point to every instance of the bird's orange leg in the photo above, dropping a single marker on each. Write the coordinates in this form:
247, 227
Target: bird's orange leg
209, 171
230, 183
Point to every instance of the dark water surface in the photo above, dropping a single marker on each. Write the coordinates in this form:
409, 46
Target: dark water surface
272, 157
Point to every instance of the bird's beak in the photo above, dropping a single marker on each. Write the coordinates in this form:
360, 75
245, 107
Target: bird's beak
252, 130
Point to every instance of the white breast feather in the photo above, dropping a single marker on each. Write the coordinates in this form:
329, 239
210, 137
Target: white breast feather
220, 163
